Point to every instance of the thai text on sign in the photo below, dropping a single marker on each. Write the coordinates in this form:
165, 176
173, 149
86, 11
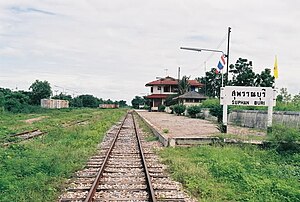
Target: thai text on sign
247, 96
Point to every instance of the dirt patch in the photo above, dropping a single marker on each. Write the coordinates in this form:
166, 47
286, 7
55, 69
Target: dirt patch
30, 121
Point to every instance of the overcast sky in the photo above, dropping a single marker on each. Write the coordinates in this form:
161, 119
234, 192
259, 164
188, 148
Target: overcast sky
112, 48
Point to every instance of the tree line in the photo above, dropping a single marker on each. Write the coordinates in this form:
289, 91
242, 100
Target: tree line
242, 75
29, 101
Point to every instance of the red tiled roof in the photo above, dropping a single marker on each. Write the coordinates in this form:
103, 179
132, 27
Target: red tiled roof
195, 83
162, 82
172, 81
163, 96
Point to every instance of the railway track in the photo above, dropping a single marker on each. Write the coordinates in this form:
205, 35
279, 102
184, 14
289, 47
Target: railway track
125, 169
73, 123
24, 136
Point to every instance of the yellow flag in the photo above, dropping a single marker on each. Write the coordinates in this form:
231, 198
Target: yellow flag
275, 68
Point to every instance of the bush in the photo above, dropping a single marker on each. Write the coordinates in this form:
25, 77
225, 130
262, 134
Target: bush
194, 110
170, 101
12, 105
285, 138
210, 103
161, 108
217, 111
179, 109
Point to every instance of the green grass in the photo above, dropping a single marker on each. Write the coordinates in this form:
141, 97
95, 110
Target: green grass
37, 170
149, 134
235, 173
242, 137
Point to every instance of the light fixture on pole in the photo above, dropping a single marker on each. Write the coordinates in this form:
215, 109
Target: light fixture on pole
208, 50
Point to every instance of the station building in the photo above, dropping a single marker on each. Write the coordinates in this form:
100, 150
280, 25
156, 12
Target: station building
161, 88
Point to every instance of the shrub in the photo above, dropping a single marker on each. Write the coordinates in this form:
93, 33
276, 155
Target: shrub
217, 111
170, 101
210, 103
179, 109
12, 105
193, 110
161, 108
285, 138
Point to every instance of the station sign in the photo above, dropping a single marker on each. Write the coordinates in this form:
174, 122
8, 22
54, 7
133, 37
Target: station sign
247, 96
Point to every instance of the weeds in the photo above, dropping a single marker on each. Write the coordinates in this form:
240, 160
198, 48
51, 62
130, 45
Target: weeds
36, 170
235, 173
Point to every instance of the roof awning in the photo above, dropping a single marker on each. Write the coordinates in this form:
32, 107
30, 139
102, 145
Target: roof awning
161, 96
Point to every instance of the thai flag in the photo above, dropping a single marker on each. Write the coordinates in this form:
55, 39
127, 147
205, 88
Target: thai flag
221, 63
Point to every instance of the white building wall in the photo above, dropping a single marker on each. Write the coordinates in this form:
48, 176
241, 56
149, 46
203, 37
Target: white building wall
160, 90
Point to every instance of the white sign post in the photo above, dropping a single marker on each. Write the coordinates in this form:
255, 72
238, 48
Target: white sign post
248, 96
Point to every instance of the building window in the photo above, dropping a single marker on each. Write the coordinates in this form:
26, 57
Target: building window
167, 89
151, 89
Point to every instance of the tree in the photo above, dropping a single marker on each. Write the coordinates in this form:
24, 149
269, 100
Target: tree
170, 101
89, 101
242, 73
77, 102
137, 101
39, 90
184, 85
265, 79
122, 103
296, 98
212, 83
286, 97
16, 102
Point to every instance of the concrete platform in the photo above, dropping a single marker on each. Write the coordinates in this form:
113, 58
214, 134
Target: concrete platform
175, 130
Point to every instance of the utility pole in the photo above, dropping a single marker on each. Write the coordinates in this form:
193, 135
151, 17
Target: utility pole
228, 40
205, 83
178, 83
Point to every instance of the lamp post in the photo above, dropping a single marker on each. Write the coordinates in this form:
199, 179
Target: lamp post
208, 50
213, 50
224, 125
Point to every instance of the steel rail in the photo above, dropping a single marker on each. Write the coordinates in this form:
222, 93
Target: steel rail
23, 139
149, 184
23, 133
93, 189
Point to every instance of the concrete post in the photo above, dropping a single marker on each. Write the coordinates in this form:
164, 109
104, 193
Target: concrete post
224, 125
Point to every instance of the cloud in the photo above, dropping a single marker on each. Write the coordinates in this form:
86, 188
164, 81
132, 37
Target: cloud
18, 9
112, 48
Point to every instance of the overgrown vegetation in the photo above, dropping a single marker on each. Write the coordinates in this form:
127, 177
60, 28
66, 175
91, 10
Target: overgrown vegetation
179, 109
149, 134
36, 170
234, 173
285, 139
161, 108
194, 110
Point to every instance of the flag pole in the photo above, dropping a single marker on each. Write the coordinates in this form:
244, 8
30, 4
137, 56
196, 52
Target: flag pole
222, 78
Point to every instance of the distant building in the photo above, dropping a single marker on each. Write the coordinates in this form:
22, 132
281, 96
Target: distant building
54, 104
108, 106
162, 88
191, 98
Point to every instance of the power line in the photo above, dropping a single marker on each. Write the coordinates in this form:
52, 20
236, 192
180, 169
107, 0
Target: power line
218, 46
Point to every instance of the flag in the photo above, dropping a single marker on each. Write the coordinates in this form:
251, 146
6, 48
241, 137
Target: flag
221, 63
275, 68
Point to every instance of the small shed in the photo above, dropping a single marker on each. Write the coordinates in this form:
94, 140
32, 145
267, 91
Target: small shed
191, 98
